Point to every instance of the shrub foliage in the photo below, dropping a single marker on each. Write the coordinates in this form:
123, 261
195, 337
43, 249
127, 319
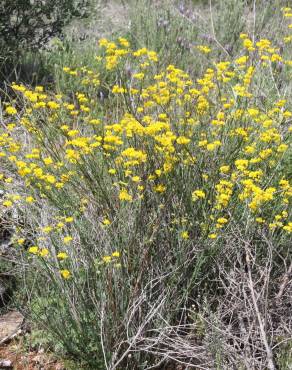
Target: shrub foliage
159, 205
31, 23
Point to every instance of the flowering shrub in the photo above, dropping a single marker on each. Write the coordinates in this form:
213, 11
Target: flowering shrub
136, 200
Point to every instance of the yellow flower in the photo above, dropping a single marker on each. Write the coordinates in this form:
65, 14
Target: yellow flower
29, 199
138, 76
248, 44
44, 252
137, 156
204, 49
48, 161
103, 42
116, 254
67, 239
118, 90
65, 274
242, 60
10, 110
106, 221
224, 169
288, 227
222, 220
106, 259
265, 153
39, 88
182, 140
284, 184
62, 255
50, 179
94, 121
160, 188
273, 225
53, 105
10, 126
47, 229
124, 42
34, 249
72, 133
263, 44
282, 148
16, 87
212, 236
212, 146
184, 235
135, 178
198, 194
124, 195
241, 164
152, 55
7, 203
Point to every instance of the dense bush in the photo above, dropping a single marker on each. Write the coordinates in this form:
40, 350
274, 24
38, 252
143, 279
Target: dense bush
154, 206
28, 25
31, 23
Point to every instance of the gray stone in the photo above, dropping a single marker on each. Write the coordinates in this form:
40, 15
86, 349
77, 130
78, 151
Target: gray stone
10, 325
5, 364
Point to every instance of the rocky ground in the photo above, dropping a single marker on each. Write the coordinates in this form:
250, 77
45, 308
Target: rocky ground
13, 353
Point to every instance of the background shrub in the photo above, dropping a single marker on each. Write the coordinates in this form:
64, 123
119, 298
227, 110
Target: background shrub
28, 25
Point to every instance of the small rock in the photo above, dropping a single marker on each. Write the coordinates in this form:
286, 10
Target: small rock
5, 364
10, 325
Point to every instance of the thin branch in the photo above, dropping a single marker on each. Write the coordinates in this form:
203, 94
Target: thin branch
270, 359
286, 280
213, 30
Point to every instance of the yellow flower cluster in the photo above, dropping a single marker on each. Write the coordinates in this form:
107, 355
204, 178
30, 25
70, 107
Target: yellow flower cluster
209, 142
